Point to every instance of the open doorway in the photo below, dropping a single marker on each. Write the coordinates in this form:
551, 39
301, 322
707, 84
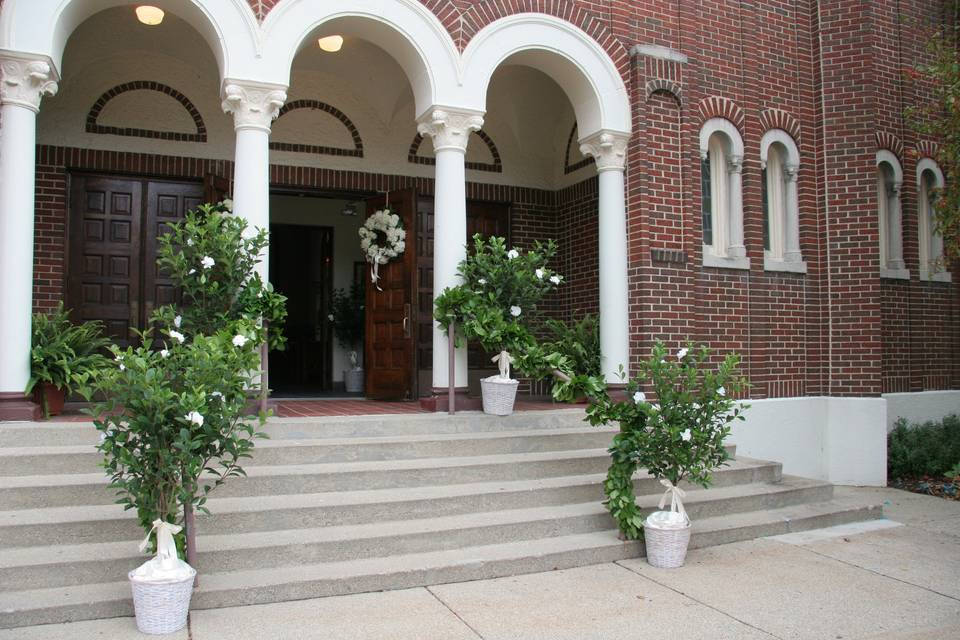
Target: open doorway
314, 248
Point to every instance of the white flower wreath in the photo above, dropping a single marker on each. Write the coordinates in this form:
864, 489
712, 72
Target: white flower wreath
382, 239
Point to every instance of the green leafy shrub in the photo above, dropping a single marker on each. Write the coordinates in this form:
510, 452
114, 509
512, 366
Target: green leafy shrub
680, 436
346, 314
578, 341
64, 354
929, 449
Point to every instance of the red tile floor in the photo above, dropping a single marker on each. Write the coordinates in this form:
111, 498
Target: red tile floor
293, 408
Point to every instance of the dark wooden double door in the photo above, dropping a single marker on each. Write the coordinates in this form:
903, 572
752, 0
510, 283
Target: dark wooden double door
113, 228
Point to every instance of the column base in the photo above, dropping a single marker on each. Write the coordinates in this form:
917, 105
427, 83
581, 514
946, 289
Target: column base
438, 400
17, 407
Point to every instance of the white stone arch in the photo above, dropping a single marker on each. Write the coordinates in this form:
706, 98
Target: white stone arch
779, 136
43, 28
724, 126
564, 52
885, 156
929, 164
405, 29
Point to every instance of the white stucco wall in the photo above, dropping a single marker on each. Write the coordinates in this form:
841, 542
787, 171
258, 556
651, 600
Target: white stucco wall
921, 406
842, 440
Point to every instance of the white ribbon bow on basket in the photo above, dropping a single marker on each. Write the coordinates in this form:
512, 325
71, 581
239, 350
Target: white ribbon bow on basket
503, 360
166, 547
676, 498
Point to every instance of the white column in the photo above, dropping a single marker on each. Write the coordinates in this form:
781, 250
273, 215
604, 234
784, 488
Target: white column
791, 252
735, 176
450, 130
895, 255
609, 151
24, 80
254, 106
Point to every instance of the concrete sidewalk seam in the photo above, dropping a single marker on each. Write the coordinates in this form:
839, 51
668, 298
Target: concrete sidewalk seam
457, 615
708, 606
873, 571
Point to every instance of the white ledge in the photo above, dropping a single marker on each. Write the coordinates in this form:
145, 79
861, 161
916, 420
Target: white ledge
776, 264
659, 52
724, 262
895, 274
939, 276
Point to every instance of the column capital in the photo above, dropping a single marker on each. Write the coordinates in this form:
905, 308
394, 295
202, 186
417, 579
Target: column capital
608, 149
895, 189
254, 105
450, 128
791, 172
25, 79
735, 164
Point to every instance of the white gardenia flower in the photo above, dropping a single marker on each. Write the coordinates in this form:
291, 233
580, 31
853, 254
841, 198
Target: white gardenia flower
539, 273
217, 394
482, 281
176, 335
639, 397
122, 367
191, 272
721, 391
239, 340
207, 262
513, 253
555, 279
189, 242
195, 418
228, 204
330, 317
515, 311
164, 353
177, 321
682, 353
686, 435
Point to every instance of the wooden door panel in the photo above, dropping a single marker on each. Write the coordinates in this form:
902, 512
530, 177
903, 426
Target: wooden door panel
389, 354
104, 280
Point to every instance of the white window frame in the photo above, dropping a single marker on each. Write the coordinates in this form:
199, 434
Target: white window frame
727, 250
930, 244
784, 210
889, 217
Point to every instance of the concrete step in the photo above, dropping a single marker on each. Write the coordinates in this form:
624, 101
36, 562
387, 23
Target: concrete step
73, 459
30, 434
61, 565
108, 522
273, 584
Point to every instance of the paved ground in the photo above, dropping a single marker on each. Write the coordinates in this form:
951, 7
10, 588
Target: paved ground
896, 579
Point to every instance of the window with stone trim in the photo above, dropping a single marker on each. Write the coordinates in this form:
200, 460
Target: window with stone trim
889, 220
930, 243
721, 153
780, 166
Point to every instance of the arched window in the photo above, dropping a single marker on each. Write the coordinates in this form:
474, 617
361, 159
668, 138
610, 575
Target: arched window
780, 161
889, 184
929, 183
721, 153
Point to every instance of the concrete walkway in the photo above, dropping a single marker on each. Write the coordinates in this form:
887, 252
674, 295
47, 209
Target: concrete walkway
891, 579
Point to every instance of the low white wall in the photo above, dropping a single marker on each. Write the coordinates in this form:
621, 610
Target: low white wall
921, 406
842, 440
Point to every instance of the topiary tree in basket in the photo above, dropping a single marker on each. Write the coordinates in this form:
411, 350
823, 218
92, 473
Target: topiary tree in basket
677, 435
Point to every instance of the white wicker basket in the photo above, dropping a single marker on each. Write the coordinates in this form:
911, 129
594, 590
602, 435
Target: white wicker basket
161, 607
666, 548
498, 395
353, 380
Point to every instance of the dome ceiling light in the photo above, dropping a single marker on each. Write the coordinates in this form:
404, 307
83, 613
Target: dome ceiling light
149, 15
331, 44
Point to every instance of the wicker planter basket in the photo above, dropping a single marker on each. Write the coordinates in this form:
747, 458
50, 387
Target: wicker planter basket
161, 607
498, 395
666, 548
353, 380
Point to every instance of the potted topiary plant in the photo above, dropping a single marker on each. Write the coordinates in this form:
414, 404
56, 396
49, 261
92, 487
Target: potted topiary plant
346, 314
63, 357
677, 438
497, 304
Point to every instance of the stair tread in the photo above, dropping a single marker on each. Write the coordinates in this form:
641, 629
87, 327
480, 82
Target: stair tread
12, 601
79, 513
55, 554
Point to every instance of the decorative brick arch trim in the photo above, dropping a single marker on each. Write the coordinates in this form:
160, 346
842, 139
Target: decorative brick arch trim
492, 167
779, 119
665, 86
891, 143
584, 162
717, 107
356, 152
464, 25
200, 135
927, 149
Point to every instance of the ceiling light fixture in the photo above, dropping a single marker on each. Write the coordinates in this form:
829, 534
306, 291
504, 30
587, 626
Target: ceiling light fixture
149, 15
331, 44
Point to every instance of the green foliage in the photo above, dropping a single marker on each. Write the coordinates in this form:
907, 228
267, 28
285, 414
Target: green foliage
212, 260
64, 354
346, 313
578, 340
929, 449
939, 118
679, 437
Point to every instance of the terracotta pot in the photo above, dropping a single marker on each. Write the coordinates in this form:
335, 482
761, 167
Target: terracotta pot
53, 395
